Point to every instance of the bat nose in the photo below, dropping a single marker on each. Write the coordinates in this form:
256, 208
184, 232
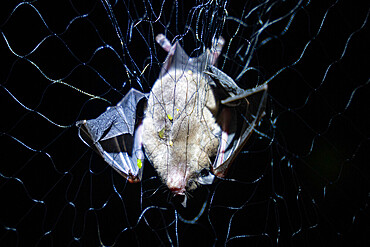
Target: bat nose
177, 190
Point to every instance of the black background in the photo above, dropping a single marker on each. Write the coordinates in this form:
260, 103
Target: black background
306, 184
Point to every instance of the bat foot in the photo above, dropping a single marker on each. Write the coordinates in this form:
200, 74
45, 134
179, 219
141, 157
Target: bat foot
163, 42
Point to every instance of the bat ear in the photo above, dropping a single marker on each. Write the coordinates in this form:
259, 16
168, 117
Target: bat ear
116, 136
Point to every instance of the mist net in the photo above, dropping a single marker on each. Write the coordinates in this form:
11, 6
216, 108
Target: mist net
302, 179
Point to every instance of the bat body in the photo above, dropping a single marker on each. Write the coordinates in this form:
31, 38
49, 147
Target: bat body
181, 132
196, 121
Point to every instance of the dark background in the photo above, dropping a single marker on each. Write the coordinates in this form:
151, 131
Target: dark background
303, 181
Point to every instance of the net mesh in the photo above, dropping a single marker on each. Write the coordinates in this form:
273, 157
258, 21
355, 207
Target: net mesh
301, 180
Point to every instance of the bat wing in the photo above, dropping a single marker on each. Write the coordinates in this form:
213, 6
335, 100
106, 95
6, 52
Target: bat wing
245, 116
116, 136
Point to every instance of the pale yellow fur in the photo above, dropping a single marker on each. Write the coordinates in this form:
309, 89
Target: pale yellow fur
180, 126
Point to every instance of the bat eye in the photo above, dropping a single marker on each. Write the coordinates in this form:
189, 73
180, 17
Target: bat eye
191, 182
204, 173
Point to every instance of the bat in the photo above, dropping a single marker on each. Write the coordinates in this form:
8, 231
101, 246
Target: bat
190, 127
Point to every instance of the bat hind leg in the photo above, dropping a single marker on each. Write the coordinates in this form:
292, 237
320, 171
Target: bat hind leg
216, 49
163, 42
236, 93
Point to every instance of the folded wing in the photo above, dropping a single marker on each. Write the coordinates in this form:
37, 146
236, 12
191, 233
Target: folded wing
117, 136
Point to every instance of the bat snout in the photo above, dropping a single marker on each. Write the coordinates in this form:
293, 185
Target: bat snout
177, 186
178, 190
177, 179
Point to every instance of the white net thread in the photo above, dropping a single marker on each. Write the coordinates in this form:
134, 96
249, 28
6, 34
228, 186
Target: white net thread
302, 179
